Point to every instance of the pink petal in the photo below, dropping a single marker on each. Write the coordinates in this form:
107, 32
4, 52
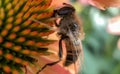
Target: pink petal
103, 4
85, 2
114, 26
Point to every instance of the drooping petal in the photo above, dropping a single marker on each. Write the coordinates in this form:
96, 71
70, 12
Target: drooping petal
57, 3
103, 4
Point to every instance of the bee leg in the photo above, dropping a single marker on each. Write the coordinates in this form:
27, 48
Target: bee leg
25, 69
60, 53
56, 24
34, 20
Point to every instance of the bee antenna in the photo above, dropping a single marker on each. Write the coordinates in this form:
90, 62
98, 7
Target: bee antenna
67, 4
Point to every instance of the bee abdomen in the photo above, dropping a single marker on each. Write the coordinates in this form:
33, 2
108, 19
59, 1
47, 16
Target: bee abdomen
71, 57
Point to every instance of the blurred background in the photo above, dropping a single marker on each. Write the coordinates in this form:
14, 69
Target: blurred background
101, 52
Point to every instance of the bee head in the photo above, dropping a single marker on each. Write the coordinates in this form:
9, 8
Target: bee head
65, 11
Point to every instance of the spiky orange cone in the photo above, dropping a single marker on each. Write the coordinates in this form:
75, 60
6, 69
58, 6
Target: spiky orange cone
20, 37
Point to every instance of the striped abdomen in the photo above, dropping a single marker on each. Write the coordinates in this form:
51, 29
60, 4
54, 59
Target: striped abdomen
73, 52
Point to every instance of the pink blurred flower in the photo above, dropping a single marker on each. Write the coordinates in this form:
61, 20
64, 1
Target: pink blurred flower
85, 2
114, 26
102, 4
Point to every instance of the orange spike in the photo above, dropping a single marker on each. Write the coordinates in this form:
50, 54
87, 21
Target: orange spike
45, 33
26, 23
51, 23
28, 2
21, 39
15, 72
34, 25
33, 3
26, 51
1, 22
25, 32
14, 2
45, 44
34, 33
1, 52
17, 48
25, 63
8, 26
11, 12
19, 15
34, 53
8, 44
17, 60
9, 56
4, 32
44, 15
9, 20
30, 42
34, 16
26, 7
7, 69
12, 36
18, 21
16, 7
1, 39
48, 3
38, 44
37, 8
40, 1
31, 9
21, 2
8, 6
16, 28
36, 3
2, 13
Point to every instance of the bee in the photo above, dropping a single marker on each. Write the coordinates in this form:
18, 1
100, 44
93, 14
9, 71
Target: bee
70, 31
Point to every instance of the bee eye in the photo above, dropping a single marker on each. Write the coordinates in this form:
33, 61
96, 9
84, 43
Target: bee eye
66, 11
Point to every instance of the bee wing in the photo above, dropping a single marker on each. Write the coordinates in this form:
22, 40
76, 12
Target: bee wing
76, 43
75, 39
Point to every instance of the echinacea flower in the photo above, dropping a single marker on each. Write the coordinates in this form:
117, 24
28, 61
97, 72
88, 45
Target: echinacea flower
21, 38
